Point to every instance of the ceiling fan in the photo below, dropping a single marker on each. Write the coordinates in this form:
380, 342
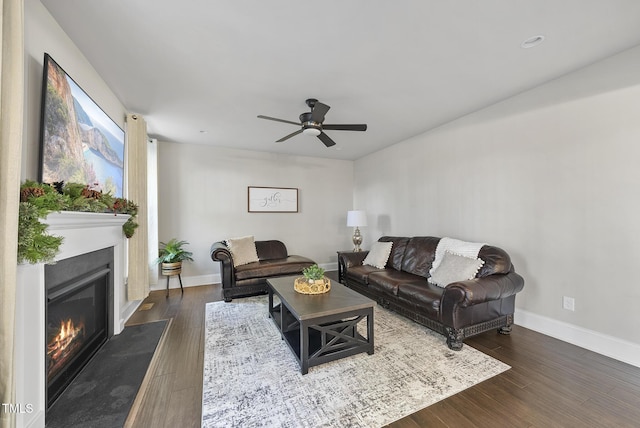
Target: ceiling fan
311, 123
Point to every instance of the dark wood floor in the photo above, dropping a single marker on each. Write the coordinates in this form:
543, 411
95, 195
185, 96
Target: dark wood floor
551, 383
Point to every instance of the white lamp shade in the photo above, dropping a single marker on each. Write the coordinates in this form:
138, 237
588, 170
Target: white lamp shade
356, 218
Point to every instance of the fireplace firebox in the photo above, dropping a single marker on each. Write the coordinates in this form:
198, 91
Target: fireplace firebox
79, 319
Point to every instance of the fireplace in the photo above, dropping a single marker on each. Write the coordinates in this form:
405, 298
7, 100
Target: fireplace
79, 315
83, 233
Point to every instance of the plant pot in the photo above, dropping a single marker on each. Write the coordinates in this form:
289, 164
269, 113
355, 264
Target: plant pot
171, 269
305, 286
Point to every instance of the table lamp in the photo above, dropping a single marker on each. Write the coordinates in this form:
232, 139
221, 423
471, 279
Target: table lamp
356, 219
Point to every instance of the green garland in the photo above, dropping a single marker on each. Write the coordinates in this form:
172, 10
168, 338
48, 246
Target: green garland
37, 200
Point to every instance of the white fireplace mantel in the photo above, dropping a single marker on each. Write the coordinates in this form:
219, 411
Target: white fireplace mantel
82, 233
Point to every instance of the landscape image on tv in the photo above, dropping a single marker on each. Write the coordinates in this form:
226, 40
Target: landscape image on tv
79, 142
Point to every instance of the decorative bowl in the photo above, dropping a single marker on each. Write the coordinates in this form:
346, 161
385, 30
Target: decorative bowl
304, 286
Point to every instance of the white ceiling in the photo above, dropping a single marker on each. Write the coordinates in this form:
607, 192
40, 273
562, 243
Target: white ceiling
402, 67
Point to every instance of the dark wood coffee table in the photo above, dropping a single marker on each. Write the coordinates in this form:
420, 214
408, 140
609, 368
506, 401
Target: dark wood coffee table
321, 327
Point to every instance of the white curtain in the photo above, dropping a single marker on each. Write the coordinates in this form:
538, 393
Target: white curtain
11, 118
138, 271
152, 208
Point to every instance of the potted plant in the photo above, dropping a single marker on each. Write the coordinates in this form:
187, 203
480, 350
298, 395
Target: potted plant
171, 255
312, 281
313, 273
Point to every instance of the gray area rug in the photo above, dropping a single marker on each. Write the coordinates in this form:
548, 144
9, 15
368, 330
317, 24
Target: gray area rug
103, 392
252, 379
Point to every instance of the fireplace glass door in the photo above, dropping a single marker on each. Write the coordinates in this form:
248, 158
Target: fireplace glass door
77, 326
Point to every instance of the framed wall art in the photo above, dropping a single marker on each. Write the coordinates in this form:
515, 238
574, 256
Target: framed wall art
272, 199
79, 142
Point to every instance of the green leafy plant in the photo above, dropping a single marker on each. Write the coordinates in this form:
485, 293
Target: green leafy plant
35, 245
313, 272
38, 200
172, 252
125, 206
83, 198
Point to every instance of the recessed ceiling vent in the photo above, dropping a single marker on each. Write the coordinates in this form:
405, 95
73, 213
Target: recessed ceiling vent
532, 41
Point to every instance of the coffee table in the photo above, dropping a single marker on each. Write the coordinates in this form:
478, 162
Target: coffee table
321, 327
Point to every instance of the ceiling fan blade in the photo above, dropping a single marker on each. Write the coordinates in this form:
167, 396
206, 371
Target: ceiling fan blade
278, 120
326, 140
361, 127
293, 134
319, 111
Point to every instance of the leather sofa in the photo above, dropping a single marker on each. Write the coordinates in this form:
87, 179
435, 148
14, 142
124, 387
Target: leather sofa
251, 278
459, 310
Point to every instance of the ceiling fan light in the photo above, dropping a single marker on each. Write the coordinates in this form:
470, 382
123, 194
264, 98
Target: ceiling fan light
311, 131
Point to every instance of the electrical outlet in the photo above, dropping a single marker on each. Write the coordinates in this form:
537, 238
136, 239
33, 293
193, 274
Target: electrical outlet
568, 303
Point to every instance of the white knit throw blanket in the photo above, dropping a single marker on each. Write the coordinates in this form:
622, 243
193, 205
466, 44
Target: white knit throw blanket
462, 248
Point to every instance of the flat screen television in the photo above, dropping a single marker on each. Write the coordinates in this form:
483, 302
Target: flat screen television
79, 142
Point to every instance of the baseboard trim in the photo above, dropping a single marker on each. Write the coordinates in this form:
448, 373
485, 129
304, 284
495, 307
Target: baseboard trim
329, 266
613, 347
187, 281
31, 420
127, 310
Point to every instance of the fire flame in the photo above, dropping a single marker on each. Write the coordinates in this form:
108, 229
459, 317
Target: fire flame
68, 332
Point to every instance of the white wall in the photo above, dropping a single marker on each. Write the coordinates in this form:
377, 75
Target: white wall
203, 199
551, 176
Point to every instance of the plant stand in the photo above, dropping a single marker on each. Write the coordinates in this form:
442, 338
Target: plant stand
172, 269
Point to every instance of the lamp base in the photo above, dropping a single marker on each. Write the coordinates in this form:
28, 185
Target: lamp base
357, 240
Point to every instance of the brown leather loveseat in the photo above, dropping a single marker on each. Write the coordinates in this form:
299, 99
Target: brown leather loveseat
457, 310
251, 278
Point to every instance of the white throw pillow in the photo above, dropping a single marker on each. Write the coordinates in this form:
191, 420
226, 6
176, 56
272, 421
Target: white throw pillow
456, 246
454, 268
243, 250
378, 255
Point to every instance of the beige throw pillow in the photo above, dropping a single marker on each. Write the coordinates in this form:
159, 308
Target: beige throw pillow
243, 250
454, 268
378, 255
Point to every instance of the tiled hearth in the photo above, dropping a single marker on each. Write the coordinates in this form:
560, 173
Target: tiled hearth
82, 233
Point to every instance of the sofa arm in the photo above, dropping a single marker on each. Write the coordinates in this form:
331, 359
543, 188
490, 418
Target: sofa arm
220, 253
349, 259
480, 290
